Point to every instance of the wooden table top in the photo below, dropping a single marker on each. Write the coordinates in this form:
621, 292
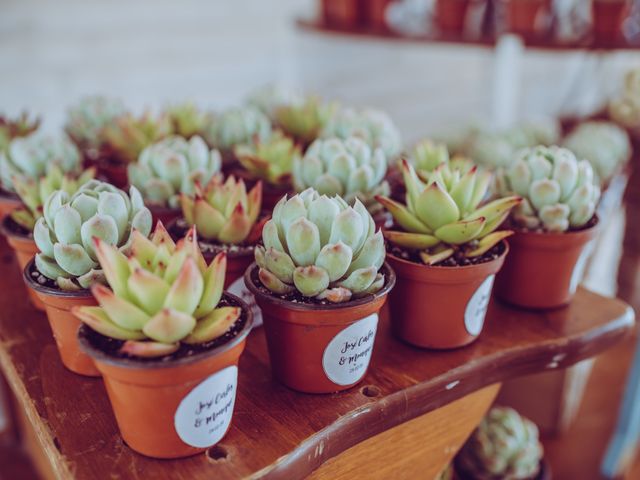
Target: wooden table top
276, 432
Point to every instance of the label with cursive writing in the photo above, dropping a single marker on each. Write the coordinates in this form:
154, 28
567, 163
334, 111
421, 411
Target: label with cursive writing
579, 268
239, 289
347, 356
477, 307
203, 416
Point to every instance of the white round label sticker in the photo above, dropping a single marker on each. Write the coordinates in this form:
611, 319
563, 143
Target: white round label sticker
477, 307
347, 355
203, 416
581, 264
239, 289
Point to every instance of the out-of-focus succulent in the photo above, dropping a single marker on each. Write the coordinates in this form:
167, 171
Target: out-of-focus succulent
14, 128
238, 126
270, 160
269, 98
504, 446
162, 294
625, 109
604, 144
322, 248
69, 223
373, 126
173, 166
349, 168
305, 118
443, 215
187, 119
428, 155
126, 137
35, 155
34, 192
87, 119
223, 212
559, 192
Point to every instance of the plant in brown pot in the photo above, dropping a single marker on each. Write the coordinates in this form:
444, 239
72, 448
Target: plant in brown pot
170, 167
553, 226
166, 336
529, 18
446, 253
67, 265
607, 19
320, 281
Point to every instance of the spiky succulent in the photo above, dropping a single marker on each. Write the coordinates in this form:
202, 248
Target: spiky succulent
428, 155
69, 223
373, 126
304, 119
558, 191
34, 192
349, 168
223, 212
173, 166
126, 136
504, 446
625, 109
322, 248
18, 127
35, 155
443, 215
187, 119
87, 119
269, 98
270, 160
162, 294
238, 126
604, 144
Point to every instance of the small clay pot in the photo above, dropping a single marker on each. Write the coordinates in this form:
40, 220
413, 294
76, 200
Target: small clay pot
544, 269
319, 348
174, 408
164, 214
441, 307
451, 15
64, 325
608, 17
24, 248
8, 202
344, 14
523, 16
376, 14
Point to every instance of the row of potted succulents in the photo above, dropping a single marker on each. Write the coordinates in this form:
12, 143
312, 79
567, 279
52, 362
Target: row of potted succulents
160, 328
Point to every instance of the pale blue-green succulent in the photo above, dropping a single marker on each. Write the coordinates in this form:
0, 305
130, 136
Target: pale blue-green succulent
238, 126
64, 234
87, 119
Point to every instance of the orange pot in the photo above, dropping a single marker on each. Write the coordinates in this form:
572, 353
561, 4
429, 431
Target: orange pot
341, 13
8, 203
608, 17
58, 305
523, 16
441, 307
319, 348
165, 214
172, 409
451, 14
376, 11
544, 269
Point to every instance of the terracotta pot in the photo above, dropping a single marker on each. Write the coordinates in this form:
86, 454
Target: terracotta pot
451, 14
162, 407
441, 307
319, 348
24, 249
523, 16
544, 269
164, 214
114, 173
608, 17
64, 325
375, 14
8, 203
342, 13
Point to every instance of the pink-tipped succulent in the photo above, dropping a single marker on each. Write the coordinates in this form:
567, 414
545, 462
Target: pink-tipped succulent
162, 294
14, 128
270, 160
128, 135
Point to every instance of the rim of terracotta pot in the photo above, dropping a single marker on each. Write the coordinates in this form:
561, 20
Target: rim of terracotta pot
7, 232
390, 281
54, 292
557, 240
135, 364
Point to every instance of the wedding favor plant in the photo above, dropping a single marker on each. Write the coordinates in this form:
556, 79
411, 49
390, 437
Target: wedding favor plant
162, 294
558, 191
173, 166
505, 445
238, 126
18, 127
187, 120
428, 155
64, 234
348, 168
270, 160
269, 98
124, 138
304, 119
443, 215
321, 247
87, 120
625, 109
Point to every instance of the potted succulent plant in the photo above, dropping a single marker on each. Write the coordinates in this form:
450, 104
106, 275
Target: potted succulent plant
529, 18
320, 281
553, 225
272, 162
33, 156
450, 15
187, 120
170, 167
607, 18
67, 266
304, 119
14, 128
345, 14
348, 168
269, 98
446, 254
504, 446
166, 335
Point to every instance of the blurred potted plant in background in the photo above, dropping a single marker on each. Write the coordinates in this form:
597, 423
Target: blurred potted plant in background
17, 127
304, 119
450, 15
528, 18
625, 108
607, 17
187, 120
